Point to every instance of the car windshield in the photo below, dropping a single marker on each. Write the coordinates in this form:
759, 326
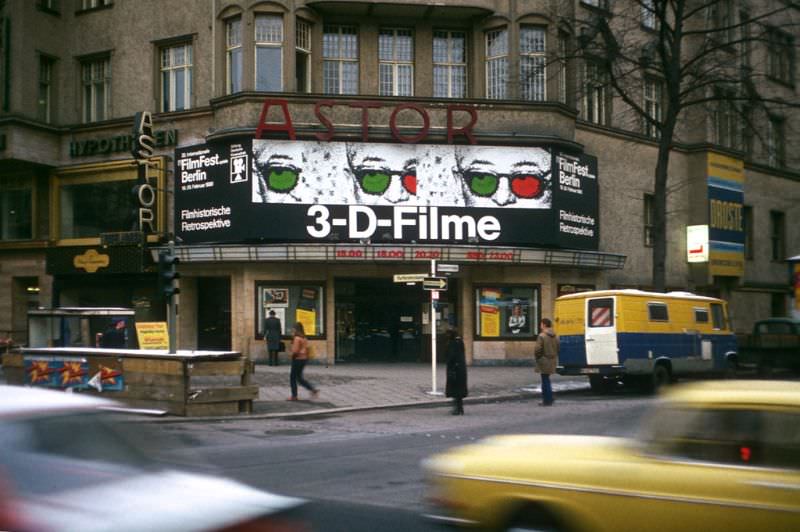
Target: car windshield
725, 435
48, 453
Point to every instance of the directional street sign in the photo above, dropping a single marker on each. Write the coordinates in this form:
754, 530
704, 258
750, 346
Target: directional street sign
410, 277
434, 283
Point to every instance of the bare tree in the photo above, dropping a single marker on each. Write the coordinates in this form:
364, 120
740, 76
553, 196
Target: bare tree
692, 54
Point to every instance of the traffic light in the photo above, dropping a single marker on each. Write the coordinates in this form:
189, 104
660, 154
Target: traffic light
167, 274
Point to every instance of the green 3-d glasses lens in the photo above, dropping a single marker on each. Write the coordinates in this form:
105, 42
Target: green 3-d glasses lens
282, 179
482, 184
375, 182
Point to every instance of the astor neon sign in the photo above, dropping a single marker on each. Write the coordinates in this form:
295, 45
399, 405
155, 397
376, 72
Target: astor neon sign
287, 125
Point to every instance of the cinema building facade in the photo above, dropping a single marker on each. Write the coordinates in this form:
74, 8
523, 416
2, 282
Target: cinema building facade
307, 152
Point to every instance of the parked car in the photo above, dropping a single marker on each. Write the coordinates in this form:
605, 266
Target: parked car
773, 345
717, 455
68, 463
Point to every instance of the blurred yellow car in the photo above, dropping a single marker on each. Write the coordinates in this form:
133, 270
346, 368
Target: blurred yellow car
720, 455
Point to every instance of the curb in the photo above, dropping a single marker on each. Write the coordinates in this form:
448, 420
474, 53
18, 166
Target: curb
346, 409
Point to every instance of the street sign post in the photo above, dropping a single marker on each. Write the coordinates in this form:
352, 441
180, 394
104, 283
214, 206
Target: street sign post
434, 283
410, 277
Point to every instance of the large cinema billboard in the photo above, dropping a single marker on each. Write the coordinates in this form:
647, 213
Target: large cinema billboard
278, 191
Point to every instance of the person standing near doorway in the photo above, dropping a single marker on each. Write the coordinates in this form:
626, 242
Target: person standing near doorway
272, 336
546, 354
299, 360
456, 386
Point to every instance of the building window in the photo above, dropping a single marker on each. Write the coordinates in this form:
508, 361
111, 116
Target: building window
747, 219
777, 231
720, 20
95, 4
96, 89
653, 93
176, 77
776, 142
602, 4
746, 130
746, 38
90, 208
16, 213
648, 14
396, 62
649, 217
594, 93
780, 61
45, 96
449, 64
269, 53
532, 63
505, 312
233, 55
303, 303
724, 118
340, 60
303, 55
563, 50
51, 6
496, 64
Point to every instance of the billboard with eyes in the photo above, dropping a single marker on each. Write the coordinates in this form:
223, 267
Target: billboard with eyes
311, 191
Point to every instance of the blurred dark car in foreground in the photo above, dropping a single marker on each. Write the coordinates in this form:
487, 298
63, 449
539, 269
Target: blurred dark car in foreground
719, 455
68, 462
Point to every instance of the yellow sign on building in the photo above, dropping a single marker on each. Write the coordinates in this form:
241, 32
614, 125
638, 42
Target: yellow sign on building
152, 335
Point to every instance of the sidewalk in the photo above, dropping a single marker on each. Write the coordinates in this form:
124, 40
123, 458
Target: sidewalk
352, 387
349, 387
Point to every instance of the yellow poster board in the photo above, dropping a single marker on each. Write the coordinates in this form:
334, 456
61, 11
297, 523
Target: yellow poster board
152, 334
490, 321
309, 320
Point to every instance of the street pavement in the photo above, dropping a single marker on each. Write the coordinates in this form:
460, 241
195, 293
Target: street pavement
364, 386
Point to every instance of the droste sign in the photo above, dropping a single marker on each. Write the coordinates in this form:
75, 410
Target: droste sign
300, 191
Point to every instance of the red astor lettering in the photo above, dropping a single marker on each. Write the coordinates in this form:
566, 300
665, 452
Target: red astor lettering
427, 255
476, 255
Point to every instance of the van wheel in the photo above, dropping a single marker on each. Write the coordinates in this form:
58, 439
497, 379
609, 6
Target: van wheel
599, 384
661, 377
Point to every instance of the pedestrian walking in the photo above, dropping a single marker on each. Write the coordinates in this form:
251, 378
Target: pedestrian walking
272, 336
456, 386
299, 360
114, 335
546, 354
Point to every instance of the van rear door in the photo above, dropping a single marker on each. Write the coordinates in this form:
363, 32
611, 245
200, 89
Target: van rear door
601, 331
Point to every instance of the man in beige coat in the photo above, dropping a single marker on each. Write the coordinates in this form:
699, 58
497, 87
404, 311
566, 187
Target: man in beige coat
546, 354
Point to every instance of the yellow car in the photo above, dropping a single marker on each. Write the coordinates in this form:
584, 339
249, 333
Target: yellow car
720, 455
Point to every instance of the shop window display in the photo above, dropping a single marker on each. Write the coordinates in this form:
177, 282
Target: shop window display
506, 312
292, 304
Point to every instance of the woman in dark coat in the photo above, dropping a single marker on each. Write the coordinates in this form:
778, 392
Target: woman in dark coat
456, 372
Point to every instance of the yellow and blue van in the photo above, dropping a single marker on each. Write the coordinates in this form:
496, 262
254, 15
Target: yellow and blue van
643, 338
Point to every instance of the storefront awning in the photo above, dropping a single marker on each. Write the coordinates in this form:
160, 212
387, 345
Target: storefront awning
361, 253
